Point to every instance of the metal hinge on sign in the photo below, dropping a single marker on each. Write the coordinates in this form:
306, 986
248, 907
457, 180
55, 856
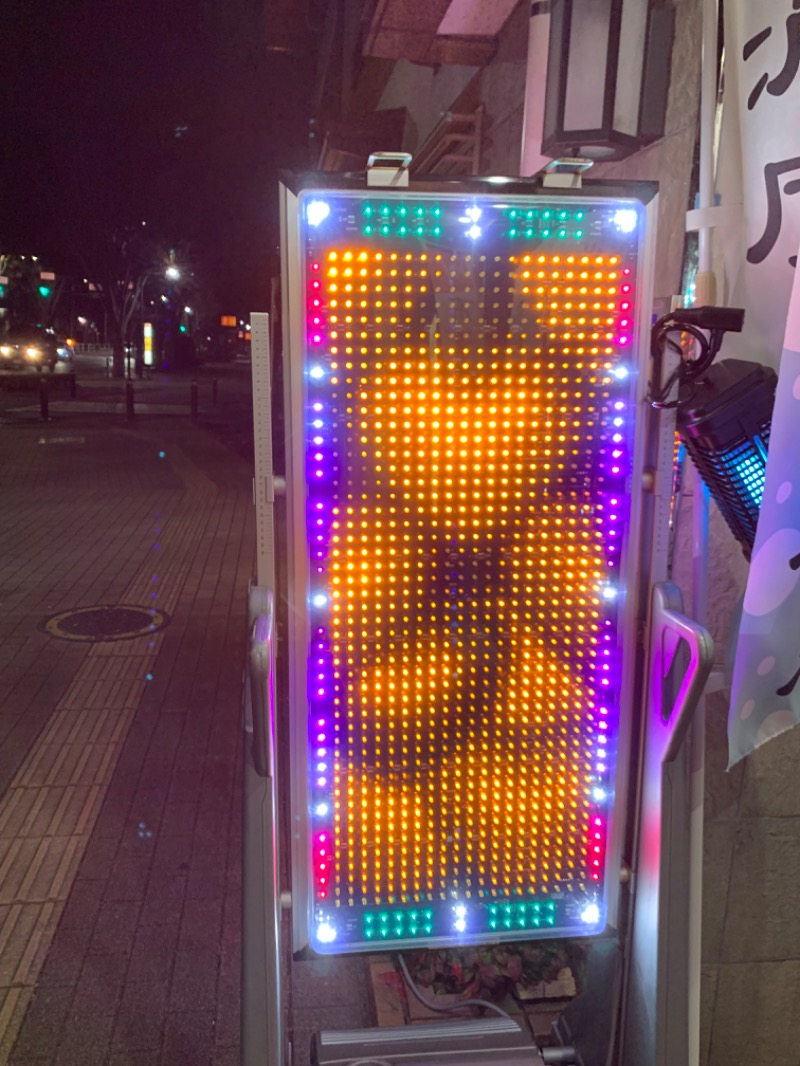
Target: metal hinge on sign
388, 169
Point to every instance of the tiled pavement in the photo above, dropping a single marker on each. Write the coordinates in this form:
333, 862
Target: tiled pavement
120, 762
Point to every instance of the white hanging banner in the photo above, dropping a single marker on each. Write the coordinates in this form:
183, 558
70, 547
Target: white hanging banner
758, 175
765, 695
759, 181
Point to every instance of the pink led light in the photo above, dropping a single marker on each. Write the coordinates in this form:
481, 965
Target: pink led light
623, 340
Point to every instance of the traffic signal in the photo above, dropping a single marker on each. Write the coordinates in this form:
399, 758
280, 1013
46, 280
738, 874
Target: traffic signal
45, 291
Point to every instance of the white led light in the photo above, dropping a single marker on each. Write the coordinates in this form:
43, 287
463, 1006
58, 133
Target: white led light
474, 213
321, 810
609, 592
326, 934
316, 212
460, 911
460, 925
590, 914
474, 232
620, 372
625, 220
598, 795
316, 372
319, 600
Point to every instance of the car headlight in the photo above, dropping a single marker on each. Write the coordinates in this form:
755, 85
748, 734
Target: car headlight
6, 350
33, 353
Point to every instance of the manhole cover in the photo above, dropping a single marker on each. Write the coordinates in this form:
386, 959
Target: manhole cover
122, 622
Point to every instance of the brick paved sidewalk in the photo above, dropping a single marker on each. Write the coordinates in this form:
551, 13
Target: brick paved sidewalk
120, 763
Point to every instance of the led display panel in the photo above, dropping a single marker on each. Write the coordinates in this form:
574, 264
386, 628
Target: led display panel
467, 407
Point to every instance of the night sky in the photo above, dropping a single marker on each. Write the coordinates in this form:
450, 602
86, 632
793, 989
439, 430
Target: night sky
173, 112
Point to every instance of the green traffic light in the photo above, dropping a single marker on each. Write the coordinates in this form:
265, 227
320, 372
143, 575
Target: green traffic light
45, 290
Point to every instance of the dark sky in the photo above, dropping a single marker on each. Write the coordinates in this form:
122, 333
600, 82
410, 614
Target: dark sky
170, 112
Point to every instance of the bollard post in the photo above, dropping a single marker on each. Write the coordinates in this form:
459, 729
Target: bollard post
129, 400
73, 385
44, 400
214, 390
194, 401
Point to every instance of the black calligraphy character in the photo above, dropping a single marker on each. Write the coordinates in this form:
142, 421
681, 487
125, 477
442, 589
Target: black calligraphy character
772, 173
782, 81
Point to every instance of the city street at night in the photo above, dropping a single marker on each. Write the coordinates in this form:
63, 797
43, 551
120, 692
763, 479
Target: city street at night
126, 549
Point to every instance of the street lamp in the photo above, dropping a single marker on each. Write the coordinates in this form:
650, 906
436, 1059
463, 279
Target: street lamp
173, 273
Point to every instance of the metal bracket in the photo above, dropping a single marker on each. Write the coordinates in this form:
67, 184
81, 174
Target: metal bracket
565, 173
262, 684
388, 169
669, 630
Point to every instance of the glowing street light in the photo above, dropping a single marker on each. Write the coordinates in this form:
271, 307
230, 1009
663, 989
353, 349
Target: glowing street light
173, 273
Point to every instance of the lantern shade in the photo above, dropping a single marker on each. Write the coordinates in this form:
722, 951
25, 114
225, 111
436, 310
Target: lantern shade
607, 77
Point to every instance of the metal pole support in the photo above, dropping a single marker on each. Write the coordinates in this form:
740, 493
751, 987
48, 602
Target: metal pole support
129, 400
214, 390
193, 401
44, 400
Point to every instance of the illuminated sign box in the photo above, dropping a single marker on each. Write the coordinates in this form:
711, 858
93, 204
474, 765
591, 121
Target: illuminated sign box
462, 410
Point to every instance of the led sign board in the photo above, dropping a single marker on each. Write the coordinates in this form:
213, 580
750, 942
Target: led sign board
468, 410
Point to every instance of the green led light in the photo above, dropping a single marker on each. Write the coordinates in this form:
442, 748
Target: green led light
531, 213
578, 233
512, 214
513, 233
437, 231
385, 210
529, 232
546, 214
402, 210
579, 215
420, 231
386, 230
436, 211
545, 232
367, 209
563, 214
367, 230
419, 211
562, 234
402, 231
398, 924
521, 915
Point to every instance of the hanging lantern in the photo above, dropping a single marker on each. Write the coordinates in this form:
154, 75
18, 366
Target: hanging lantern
608, 74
